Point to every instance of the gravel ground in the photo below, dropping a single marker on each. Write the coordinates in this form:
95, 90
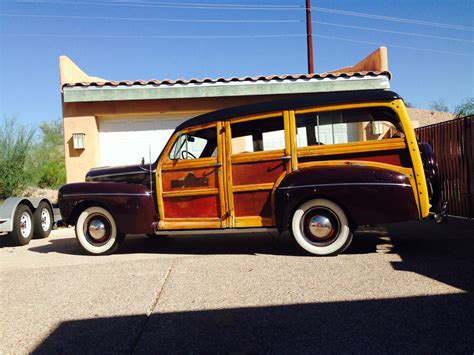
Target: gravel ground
397, 289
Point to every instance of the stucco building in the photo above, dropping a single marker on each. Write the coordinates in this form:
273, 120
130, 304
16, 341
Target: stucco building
119, 122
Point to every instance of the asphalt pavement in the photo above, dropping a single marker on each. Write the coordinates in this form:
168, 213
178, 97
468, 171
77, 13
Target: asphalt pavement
397, 289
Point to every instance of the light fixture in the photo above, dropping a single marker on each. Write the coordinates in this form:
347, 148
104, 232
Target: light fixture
79, 140
377, 127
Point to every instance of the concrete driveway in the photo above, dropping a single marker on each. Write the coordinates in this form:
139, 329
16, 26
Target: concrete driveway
404, 288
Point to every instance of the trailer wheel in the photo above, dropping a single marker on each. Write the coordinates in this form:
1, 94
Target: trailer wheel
23, 227
43, 220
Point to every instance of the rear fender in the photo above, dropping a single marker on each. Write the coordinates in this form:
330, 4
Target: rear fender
368, 195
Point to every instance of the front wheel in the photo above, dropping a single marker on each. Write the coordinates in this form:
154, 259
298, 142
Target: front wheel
96, 231
320, 227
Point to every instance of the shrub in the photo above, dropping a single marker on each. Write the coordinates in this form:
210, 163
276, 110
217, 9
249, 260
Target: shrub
46, 162
15, 141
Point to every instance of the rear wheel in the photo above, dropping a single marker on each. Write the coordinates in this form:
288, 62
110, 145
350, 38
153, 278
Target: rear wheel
23, 226
320, 227
43, 220
96, 231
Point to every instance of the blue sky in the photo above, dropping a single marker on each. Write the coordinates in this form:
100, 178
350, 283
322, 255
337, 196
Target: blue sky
35, 33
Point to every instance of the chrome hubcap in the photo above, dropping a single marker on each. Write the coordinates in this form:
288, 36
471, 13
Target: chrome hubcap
320, 226
45, 219
97, 229
25, 225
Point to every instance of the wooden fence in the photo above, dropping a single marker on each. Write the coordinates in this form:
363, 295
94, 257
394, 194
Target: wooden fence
453, 144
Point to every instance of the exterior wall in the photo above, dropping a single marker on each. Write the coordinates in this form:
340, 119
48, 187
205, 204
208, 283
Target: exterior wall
78, 162
82, 118
421, 118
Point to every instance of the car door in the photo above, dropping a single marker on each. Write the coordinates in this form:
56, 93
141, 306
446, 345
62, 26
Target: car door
190, 181
258, 157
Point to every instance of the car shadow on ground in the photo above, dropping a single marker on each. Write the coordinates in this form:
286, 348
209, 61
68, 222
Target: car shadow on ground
442, 252
250, 244
426, 324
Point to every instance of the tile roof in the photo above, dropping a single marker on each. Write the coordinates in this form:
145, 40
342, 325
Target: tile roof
245, 79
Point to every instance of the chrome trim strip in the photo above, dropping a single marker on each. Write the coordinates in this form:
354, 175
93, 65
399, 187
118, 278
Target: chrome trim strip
118, 174
105, 194
346, 184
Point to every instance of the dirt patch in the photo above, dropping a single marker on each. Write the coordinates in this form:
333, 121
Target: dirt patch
50, 194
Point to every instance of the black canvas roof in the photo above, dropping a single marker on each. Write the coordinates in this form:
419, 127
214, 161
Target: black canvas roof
306, 100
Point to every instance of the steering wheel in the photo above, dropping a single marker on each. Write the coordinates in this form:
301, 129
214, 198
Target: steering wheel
185, 154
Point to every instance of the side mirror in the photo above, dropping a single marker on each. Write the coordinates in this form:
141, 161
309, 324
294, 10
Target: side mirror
190, 138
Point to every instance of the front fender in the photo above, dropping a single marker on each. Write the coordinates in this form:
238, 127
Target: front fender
367, 194
132, 206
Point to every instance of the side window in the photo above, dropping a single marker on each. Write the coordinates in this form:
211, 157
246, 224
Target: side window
346, 126
258, 135
195, 145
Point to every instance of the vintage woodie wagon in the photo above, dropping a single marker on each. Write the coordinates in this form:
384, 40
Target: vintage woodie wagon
317, 166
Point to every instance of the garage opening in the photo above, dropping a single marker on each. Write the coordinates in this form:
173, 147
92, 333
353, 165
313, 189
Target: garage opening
126, 140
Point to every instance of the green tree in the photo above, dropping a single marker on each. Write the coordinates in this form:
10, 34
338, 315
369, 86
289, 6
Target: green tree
15, 141
46, 166
439, 105
466, 108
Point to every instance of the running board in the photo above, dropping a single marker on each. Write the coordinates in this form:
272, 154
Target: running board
216, 231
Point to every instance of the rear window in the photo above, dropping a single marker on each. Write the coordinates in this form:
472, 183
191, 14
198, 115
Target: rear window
347, 126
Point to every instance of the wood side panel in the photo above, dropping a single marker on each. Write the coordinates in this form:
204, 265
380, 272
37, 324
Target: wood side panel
189, 179
251, 222
190, 223
392, 158
192, 207
257, 172
253, 203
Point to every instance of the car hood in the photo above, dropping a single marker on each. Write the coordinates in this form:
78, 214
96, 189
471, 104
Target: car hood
134, 174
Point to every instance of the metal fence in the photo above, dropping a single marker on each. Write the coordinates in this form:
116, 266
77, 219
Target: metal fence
453, 144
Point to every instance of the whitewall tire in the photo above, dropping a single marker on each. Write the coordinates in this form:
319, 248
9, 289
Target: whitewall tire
96, 231
320, 227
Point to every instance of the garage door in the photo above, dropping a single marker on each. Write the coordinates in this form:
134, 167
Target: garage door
124, 141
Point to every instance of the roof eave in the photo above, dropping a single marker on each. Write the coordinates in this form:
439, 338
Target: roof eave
208, 90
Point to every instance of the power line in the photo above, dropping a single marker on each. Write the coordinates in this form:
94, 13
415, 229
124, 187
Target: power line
394, 19
394, 45
232, 21
149, 19
224, 37
173, 5
208, 6
395, 32
146, 36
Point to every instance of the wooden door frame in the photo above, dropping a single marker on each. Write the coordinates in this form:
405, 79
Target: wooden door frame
166, 164
287, 154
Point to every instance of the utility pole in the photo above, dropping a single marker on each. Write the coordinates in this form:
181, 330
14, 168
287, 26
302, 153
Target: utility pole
309, 37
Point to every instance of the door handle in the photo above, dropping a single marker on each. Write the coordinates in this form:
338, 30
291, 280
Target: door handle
217, 165
286, 157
